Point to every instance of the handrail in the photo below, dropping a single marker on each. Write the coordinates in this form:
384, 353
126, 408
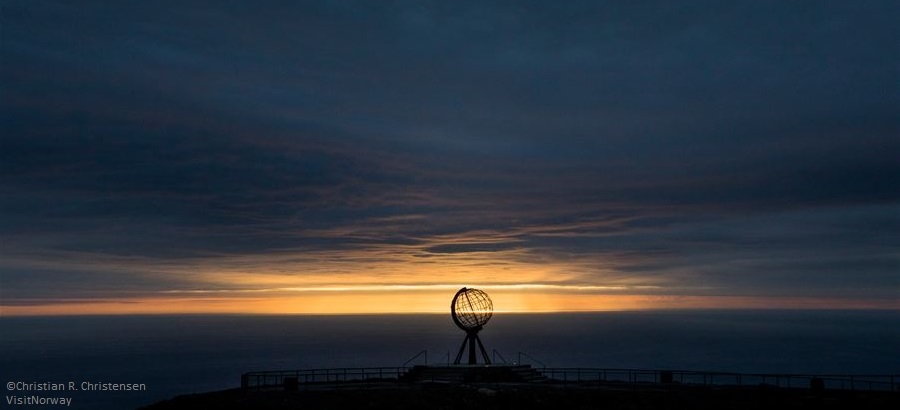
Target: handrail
371, 376
264, 380
494, 355
425, 352
543, 366
888, 382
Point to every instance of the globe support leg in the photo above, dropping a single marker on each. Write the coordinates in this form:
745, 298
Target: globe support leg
484, 354
462, 349
471, 340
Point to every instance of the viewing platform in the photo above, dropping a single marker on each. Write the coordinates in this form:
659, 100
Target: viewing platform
526, 375
522, 387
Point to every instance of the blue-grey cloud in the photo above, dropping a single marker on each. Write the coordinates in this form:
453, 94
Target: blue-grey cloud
747, 148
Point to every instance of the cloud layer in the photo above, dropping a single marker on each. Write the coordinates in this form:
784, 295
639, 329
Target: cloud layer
700, 149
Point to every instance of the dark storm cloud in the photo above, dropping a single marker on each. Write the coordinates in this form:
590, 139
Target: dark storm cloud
666, 141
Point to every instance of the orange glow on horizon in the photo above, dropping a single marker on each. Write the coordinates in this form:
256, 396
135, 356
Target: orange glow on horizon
367, 302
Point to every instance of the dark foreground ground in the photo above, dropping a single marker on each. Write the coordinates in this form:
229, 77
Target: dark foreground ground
450, 397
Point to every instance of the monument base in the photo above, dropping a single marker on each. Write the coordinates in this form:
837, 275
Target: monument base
473, 373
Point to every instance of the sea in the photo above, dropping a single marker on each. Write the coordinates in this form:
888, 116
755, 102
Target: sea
183, 354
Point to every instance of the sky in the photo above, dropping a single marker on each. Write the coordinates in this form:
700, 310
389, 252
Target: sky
376, 156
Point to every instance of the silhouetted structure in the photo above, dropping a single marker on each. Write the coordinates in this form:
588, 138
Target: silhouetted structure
471, 309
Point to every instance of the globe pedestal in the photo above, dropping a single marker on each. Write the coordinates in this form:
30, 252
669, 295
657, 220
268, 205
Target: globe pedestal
471, 340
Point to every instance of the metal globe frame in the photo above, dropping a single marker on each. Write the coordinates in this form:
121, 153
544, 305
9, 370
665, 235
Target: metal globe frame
471, 309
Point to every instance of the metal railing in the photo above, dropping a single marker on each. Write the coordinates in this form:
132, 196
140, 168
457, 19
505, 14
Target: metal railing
575, 377
529, 357
327, 378
636, 377
496, 354
424, 352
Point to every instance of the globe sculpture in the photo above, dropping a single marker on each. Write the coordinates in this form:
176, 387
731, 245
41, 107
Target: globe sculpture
471, 309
